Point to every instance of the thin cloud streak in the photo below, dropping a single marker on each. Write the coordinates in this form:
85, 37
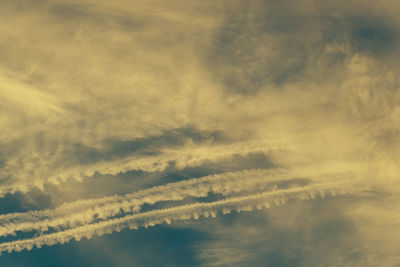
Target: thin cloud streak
226, 184
184, 212
188, 156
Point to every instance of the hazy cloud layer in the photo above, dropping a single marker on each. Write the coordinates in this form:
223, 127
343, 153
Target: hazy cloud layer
279, 118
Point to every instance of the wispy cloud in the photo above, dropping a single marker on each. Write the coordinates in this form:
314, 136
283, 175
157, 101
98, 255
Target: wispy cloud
184, 212
226, 184
134, 115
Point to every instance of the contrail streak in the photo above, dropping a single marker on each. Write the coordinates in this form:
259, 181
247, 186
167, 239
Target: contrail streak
85, 211
180, 213
187, 156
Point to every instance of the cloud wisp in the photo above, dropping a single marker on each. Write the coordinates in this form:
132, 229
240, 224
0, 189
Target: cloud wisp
225, 184
188, 156
115, 115
184, 212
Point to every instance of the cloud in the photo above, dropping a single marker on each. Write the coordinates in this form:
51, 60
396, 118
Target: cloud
183, 212
82, 212
300, 233
100, 98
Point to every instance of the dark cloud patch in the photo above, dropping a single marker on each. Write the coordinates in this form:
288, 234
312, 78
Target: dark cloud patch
44, 257
372, 36
67, 12
20, 5
19, 202
173, 246
365, 31
151, 145
271, 43
159, 246
262, 45
70, 11
169, 138
12, 203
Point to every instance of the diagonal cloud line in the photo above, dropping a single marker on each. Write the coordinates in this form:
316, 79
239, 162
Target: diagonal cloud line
183, 212
85, 211
188, 156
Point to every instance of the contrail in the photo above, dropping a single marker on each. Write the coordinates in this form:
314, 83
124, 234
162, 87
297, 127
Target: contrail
183, 212
188, 156
85, 211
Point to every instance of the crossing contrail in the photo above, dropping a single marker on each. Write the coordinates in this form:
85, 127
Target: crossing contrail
184, 212
86, 211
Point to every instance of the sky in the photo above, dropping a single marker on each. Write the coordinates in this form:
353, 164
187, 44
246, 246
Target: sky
199, 133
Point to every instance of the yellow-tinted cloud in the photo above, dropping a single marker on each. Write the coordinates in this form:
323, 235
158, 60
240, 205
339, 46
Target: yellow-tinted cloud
91, 87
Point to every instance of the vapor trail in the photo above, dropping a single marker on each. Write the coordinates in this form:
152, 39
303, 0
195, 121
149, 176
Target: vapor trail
86, 211
188, 156
183, 212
